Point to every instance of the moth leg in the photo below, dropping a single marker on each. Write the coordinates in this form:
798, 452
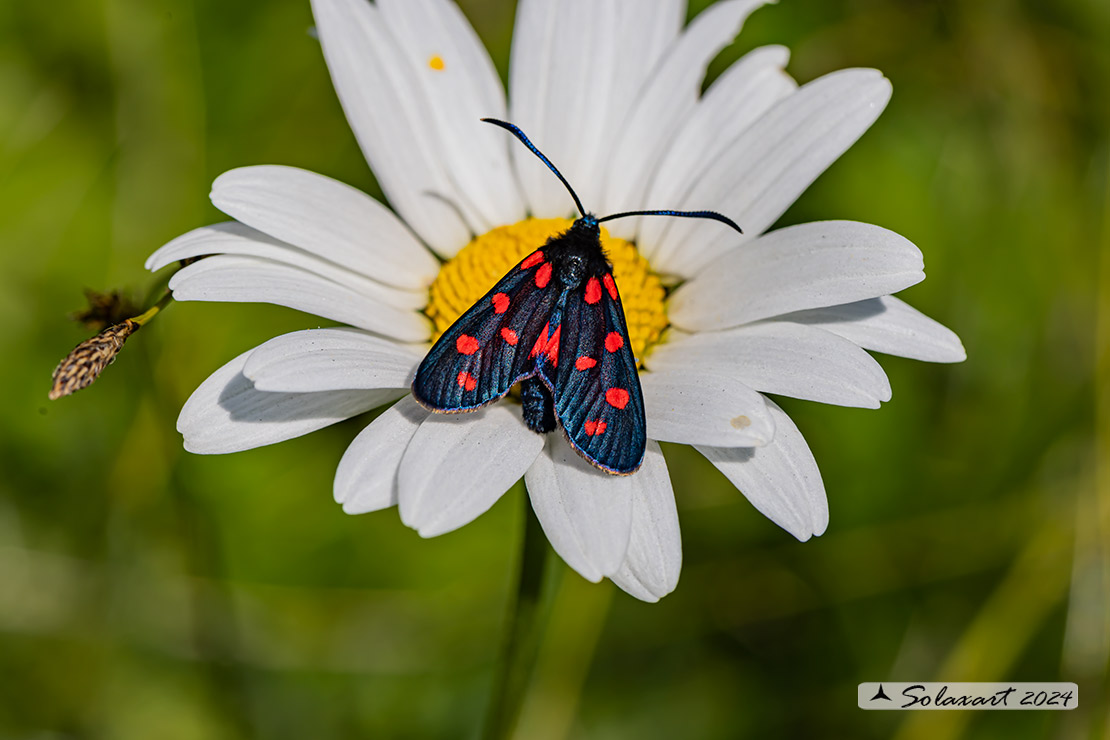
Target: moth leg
539, 407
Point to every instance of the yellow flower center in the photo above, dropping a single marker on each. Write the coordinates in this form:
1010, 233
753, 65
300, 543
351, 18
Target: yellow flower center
485, 260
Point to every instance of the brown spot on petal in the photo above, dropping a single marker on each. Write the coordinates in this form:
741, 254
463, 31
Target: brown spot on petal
741, 422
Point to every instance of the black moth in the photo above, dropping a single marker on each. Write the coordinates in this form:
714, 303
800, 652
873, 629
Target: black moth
554, 323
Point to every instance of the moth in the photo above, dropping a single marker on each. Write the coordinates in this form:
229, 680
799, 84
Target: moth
555, 325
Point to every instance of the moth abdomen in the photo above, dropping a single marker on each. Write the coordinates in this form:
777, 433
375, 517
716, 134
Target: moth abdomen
539, 407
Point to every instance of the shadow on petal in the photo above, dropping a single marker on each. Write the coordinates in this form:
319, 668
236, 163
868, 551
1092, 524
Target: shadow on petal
244, 403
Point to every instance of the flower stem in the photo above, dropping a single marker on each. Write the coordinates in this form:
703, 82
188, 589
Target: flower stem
522, 634
151, 312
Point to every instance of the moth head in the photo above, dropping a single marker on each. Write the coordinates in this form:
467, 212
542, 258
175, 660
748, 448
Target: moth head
586, 226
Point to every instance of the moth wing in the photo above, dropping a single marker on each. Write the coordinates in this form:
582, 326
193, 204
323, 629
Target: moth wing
486, 351
595, 385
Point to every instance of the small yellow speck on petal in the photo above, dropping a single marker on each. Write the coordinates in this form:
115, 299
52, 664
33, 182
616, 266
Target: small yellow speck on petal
437, 63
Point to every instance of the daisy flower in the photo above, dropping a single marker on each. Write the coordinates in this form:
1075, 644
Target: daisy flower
717, 319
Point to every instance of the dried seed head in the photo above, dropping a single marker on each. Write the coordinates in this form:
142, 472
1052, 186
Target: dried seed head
84, 364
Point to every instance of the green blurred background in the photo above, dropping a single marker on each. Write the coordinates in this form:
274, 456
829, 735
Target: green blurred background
145, 592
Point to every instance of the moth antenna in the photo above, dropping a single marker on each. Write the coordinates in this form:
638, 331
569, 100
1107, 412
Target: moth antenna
515, 131
684, 214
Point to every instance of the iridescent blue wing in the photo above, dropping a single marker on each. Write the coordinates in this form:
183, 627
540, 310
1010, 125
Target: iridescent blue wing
594, 381
489, 348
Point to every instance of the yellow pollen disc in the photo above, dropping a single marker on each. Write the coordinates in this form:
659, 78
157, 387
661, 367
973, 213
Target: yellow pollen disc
481, 263
436, 63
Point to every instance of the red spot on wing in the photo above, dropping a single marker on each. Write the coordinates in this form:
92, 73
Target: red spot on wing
594, 428
509, 336
532, 260
610, 285
543, 275
467, 381
593, 291
500, 303
617, 397
466, 344
541, 342
548, 345
552, 349
584, 363
613, 341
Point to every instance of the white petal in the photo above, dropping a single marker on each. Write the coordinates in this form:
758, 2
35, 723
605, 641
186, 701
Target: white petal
743, 93
807, 266
530, 74
780, 479
366, 479
768, 167
650, 33
696, 406
783, 358
631, 585
458, 465
465, 89
666, 101
234, 238
585, 128
394, 125
330, 360
654, 559
560, 72
644, 32
226, 413
327, 218
614, 53
890, 326
254, 280
585, 513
